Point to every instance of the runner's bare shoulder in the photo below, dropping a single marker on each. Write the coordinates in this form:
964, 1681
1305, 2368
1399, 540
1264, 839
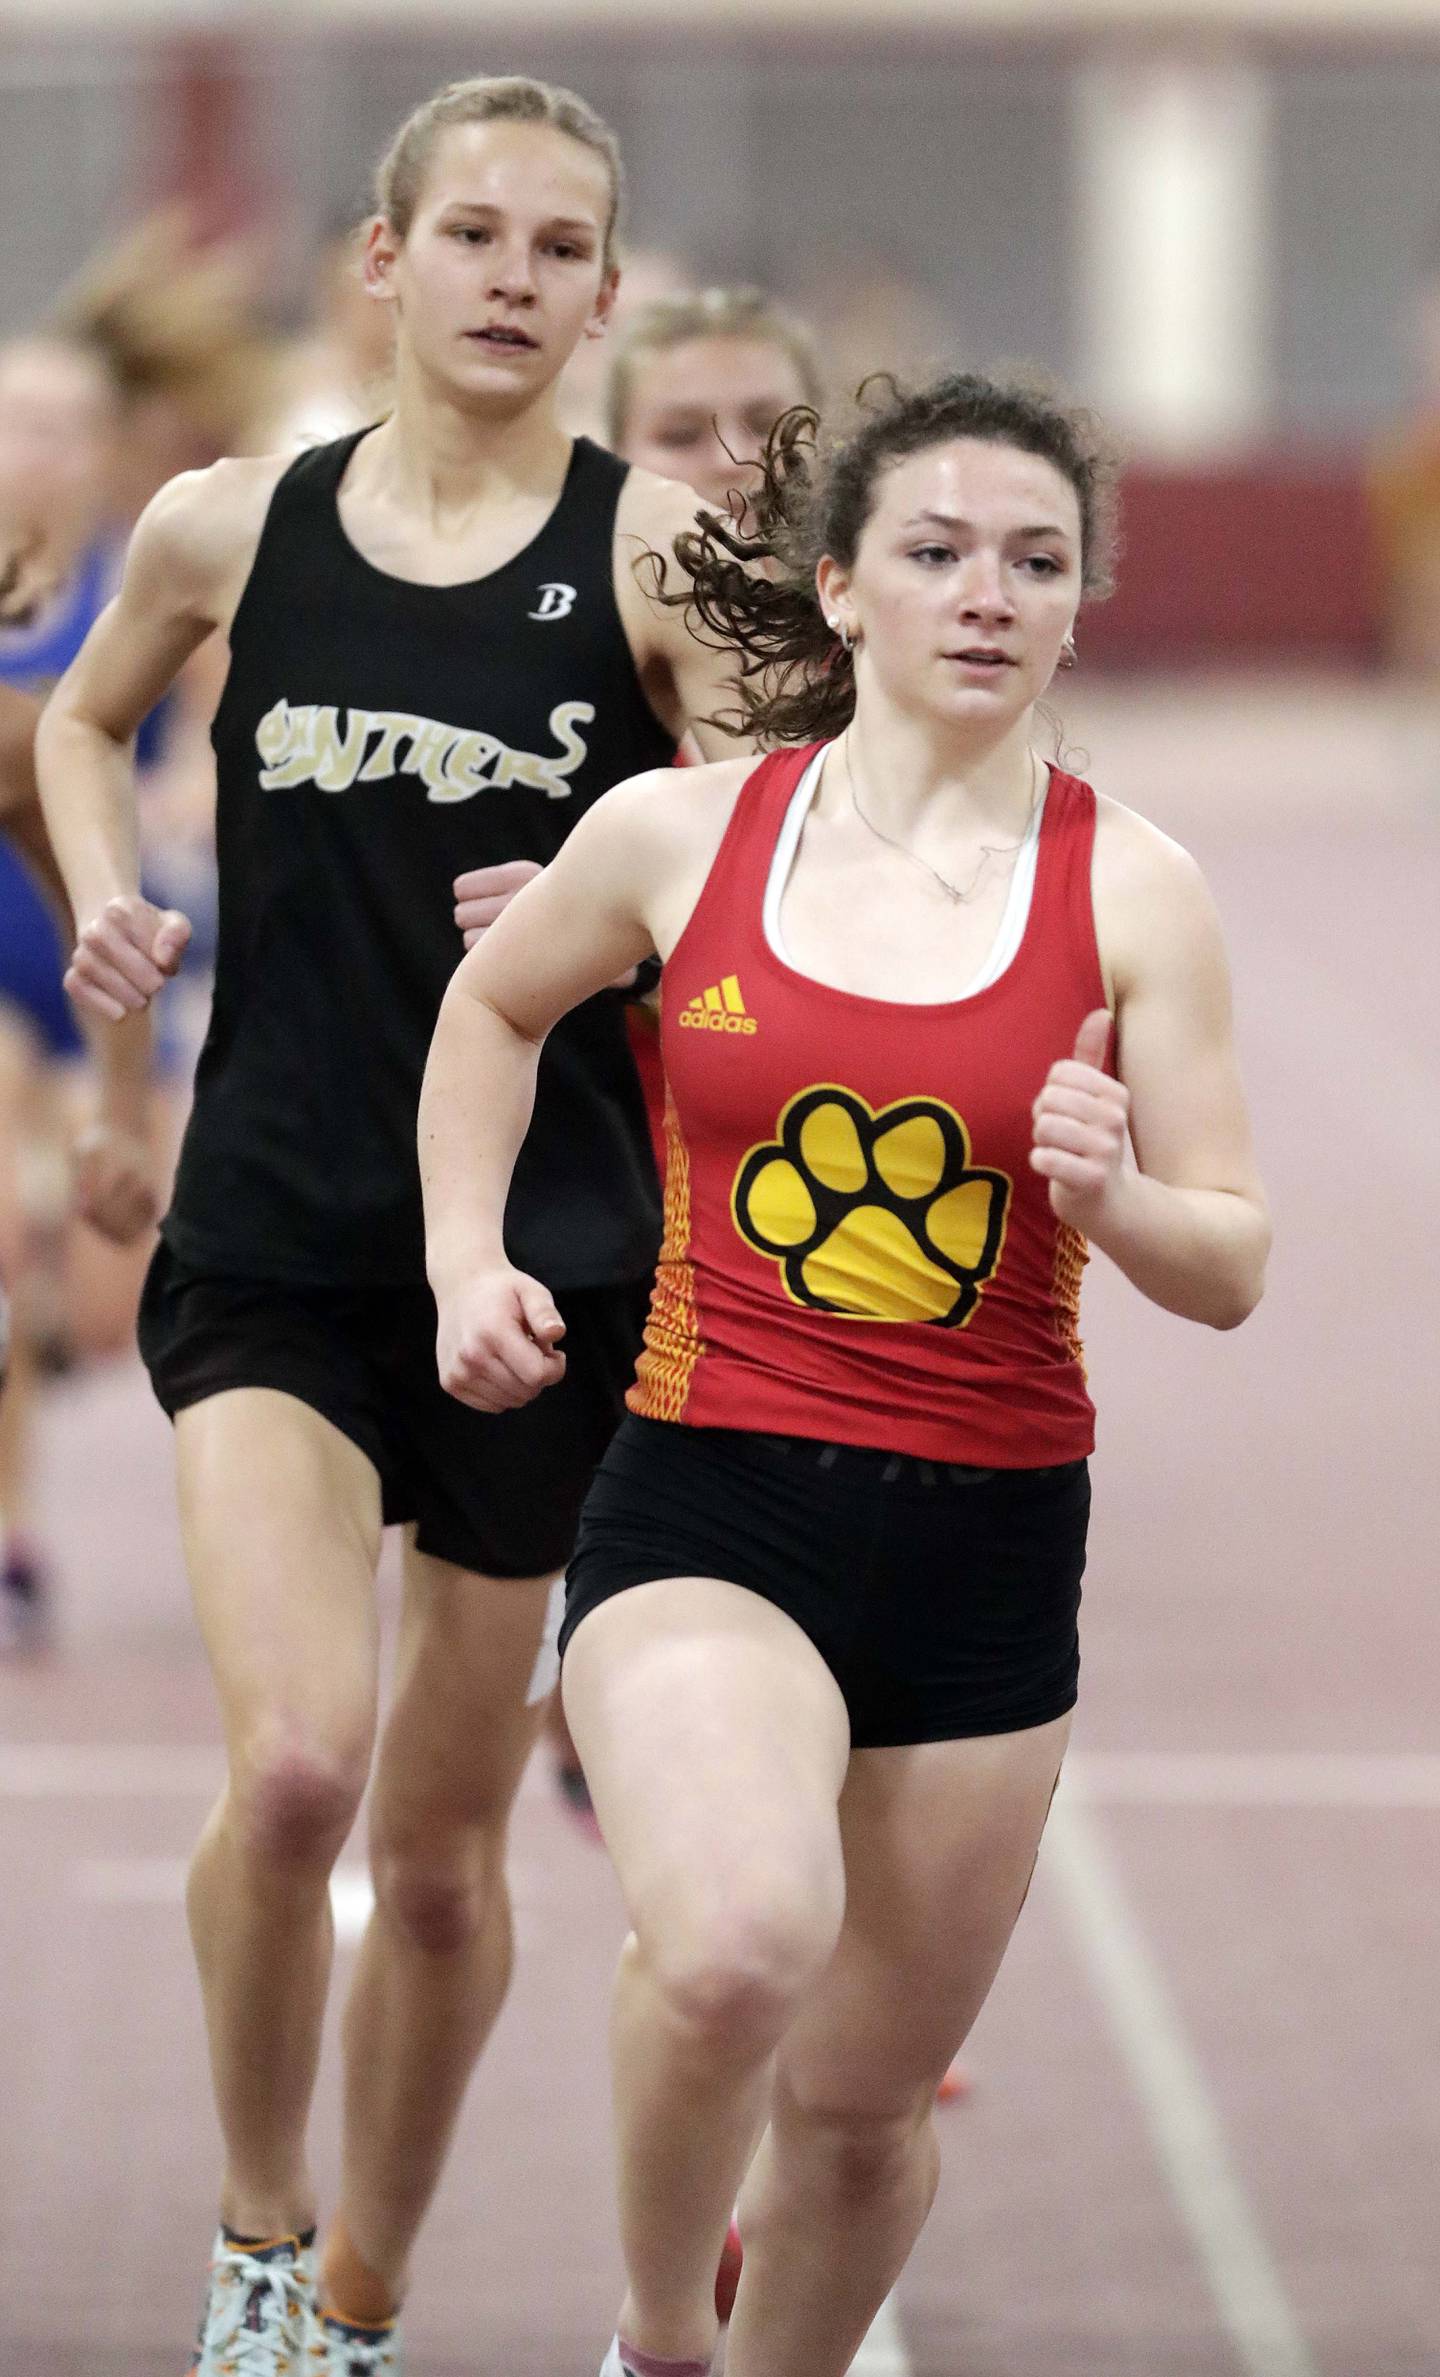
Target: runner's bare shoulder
195, 542
678, 813
651, 514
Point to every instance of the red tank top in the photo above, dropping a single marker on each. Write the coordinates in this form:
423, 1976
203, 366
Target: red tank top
855, 1247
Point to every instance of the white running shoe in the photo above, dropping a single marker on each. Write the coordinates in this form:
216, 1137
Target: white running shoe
615, 2365
257, 2311
341, 2349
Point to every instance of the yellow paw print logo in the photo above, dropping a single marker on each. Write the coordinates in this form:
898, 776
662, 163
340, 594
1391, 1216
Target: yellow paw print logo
879, 1216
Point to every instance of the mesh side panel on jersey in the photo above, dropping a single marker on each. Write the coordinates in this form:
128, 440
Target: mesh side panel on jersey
1072, 1253
672, 1334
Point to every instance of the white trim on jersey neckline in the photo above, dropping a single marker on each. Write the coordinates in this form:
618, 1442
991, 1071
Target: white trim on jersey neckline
1011, 931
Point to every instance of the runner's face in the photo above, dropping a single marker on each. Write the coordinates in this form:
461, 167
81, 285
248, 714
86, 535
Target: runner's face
966, 581
57, 431
503, 268
702, 411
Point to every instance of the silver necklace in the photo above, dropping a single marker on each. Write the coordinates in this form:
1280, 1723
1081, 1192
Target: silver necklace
988, 850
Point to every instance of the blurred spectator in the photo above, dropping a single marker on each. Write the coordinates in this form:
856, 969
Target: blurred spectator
179, 328
1404, 480
698, 382
333, 377
877, 320
152, 363
60, 412
645, 274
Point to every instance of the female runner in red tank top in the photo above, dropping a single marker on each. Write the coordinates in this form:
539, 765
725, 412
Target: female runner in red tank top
821, 1646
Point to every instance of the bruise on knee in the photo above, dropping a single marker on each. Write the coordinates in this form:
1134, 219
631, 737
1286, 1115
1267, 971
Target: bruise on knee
295, 1805
442, 1894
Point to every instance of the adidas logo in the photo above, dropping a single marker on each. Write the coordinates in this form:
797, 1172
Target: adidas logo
720, 1009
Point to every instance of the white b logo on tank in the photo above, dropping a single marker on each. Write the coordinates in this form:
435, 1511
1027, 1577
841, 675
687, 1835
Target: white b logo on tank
557, 600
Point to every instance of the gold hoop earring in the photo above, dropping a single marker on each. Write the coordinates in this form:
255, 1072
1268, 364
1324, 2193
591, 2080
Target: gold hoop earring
1068, 653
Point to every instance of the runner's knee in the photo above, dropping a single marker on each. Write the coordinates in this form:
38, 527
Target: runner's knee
442, 1894
857, 2145
735, 1972
295, 1800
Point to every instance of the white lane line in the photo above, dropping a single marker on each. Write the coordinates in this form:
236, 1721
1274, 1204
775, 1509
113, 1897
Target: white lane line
108, 1770
1293, 1779
883, 2352
1180, 2112
1254, 1779
352, 1902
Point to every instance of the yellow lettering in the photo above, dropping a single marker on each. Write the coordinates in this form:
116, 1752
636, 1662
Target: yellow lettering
392, 726
283, 740
427, 755
564, 719
335, 761
304, 743
465, 768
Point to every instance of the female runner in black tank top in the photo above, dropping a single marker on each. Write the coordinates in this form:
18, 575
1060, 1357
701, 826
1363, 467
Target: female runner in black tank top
440, 658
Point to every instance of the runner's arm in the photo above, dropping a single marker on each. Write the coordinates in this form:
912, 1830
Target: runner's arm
169, 600
20, 814
186, 568
1190, 1228
115, 1188
564, 936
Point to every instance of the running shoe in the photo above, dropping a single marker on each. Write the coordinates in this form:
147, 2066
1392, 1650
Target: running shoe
341, 2349
574, 1793
25, 1602
727, 2277
258, 2309
956, 2085
617, 2363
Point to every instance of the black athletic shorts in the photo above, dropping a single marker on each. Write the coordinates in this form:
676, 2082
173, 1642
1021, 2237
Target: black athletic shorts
497, 1493
943, 1600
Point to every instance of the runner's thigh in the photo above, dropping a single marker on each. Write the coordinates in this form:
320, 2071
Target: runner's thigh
714, 1740
473, 1671
940, 1842
280, 1515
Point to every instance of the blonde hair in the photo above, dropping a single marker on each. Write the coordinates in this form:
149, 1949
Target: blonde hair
492, 99
706, 313
170, 319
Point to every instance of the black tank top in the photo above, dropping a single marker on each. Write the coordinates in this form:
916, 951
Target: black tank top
375, 738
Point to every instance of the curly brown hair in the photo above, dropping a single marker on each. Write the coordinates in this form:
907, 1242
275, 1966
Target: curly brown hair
752, 588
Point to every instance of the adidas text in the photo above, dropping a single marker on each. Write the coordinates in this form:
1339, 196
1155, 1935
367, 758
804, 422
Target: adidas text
703, 1019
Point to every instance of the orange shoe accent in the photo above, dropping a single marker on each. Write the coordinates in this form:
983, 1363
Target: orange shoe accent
727, 2277
956, 2085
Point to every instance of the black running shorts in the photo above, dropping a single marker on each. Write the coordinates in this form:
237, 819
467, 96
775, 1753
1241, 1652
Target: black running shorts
499, 1493
944, 1600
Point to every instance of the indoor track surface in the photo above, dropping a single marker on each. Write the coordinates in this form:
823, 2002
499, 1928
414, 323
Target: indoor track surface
1204, 2133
